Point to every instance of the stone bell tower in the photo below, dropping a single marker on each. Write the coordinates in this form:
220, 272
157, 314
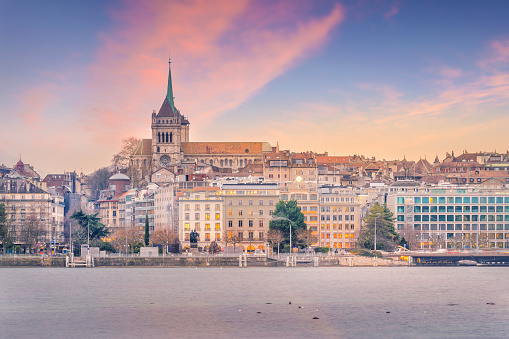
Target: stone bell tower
169, 130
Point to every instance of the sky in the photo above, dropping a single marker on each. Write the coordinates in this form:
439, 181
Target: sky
389, 79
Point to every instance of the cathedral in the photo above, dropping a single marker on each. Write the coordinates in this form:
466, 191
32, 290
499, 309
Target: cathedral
170, 148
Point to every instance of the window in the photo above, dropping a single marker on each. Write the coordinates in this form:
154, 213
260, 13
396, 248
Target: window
186, 226
197, 216
240, 223
240, 212
218, 216
197, 207
207, 216
218, 207
230, 223
260, 223
250, 202
250, 222
218, 226
207, 207
186, 216
207, 227
260, 213
207, 236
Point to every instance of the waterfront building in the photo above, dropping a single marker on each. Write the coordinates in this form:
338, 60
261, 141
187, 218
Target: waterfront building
30, 211
452, 217
249, 208
339, 218
202, 210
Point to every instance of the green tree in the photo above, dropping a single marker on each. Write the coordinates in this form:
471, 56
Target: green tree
89, 222
289, 210
386, 235
146, 237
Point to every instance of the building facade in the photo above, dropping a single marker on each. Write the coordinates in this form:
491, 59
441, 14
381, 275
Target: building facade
461, 217
249, 208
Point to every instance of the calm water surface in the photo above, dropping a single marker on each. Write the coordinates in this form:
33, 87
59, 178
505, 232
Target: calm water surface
424, 302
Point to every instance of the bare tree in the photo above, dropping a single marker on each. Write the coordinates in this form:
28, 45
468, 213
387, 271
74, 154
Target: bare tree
275, 237
231, 237
305, 236
435, 241
121, 235
31, 231
164, 238
410, 235
121, 159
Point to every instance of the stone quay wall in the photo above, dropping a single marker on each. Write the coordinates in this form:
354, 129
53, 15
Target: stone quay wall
198, 261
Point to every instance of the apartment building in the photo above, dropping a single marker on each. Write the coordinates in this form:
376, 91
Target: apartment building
202, 210
339, 217
249, 208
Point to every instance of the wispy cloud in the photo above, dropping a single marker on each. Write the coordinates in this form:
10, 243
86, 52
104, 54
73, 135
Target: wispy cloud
223, 53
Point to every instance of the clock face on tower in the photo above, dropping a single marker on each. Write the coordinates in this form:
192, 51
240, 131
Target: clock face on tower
164, 160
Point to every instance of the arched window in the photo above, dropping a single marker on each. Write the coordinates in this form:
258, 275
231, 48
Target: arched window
171, 136
158, 137
221, 163
166, 136
158, 149
145, 162
241, 163
138, 163
251, 161
211, 162
231, 162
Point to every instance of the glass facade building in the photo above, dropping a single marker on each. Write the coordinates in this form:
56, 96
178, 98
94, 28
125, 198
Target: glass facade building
461, 218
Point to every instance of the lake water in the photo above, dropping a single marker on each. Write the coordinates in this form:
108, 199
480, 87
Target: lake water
353, 302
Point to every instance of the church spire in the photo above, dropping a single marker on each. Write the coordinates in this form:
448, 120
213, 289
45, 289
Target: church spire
169, 94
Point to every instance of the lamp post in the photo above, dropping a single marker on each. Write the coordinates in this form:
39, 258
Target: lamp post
88, 238
375, 229
291, 222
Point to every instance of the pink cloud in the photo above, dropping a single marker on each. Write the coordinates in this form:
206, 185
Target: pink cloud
222, 52
35, 101
393, 11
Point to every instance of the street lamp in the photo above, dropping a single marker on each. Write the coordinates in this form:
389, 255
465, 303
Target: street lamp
291, 222
375, 229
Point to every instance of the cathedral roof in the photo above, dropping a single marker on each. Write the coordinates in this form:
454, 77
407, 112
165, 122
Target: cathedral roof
143, 148
237, 148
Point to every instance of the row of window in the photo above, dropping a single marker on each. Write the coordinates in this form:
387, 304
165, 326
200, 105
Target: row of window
325, 209
457, 200
459, 227
337, 217
207, 237
197, 226
457, 209
198, 217
456, 217
23, 197
197, 207
337, 227
250, 202
250, 223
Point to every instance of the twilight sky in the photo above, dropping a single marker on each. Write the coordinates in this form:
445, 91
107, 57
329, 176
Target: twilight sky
382, 78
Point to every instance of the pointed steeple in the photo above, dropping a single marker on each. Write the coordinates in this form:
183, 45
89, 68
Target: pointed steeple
169, 93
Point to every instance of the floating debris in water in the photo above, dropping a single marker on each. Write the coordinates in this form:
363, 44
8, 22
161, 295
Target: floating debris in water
316, 318
490, 303
451, 304
258, 312
387, 312
268, 303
